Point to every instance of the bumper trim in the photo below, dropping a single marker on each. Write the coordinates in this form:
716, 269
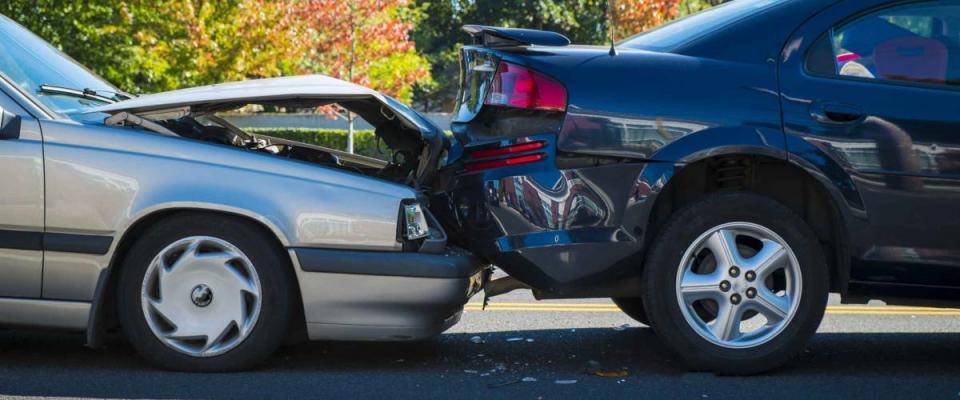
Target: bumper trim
415, 265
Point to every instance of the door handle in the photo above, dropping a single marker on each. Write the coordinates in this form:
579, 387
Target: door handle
836, 113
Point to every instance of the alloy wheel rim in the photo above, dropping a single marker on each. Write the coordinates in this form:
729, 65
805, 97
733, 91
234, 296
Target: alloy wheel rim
201, 296
739, 285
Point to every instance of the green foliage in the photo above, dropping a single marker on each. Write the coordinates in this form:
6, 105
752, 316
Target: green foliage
366, 42
364, 141
158, 45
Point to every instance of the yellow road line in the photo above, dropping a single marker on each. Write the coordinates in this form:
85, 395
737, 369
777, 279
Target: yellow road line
601, 307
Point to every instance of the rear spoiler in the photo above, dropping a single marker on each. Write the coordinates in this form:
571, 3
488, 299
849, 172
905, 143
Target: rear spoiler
491, 36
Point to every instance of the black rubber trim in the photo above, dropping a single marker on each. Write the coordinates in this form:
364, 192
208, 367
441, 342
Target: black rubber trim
416, 265
69, 243
62, 242
20, 240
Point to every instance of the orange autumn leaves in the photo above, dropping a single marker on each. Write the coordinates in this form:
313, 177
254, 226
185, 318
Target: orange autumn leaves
366, 42
628, 17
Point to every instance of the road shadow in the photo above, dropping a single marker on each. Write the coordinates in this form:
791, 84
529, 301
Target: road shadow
853, 364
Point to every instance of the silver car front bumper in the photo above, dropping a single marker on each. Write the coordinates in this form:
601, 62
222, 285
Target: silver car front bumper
384, 296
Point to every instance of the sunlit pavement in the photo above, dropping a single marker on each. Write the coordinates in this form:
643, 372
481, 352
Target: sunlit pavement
519, 348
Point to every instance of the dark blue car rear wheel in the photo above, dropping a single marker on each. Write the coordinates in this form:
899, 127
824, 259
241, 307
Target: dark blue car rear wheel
736, 284
633, 307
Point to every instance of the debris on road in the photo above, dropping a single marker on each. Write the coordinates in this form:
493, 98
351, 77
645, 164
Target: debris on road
610, 374
594, 368
515, 339
476, 339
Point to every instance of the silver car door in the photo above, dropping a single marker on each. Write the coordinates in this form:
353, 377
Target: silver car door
21, 202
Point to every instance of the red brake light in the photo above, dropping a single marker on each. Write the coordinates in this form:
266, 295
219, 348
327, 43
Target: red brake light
485, 165
509, 151
502, 151
516, 86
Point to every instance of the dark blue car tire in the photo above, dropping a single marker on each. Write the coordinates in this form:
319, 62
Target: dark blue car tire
633, 307
789, 298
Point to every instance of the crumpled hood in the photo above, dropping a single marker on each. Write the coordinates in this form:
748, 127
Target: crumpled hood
251, 91
305, 87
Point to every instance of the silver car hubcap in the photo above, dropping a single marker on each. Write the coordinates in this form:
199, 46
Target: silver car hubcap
739, 285
201, 296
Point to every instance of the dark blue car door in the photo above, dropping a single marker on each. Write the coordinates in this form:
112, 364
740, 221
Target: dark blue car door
874, 86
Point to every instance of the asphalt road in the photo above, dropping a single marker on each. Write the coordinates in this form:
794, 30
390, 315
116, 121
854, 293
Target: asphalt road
869, 353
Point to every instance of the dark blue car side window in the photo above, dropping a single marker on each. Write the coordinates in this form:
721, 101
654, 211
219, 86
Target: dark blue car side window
913, 43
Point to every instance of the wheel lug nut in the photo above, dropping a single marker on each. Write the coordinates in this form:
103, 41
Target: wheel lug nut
735, 299
734, 272
751, 293
750, 275
724, 286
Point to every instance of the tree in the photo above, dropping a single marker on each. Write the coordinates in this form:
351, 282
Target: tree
157, 45
366, 42
628, 17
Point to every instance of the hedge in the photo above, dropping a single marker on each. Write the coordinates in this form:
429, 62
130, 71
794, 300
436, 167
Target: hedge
364, 141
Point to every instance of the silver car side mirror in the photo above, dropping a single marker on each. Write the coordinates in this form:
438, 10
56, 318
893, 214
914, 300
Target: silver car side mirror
9, 125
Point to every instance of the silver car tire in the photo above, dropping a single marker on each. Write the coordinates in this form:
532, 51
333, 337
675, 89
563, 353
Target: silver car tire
735, 284
206, 293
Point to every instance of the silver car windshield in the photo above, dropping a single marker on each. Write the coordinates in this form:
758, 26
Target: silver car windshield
29, 62
685, 30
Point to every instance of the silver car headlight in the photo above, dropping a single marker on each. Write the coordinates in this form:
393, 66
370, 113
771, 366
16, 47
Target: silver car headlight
415, 223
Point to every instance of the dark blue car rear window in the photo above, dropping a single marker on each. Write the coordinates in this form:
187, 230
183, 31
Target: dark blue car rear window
686, 30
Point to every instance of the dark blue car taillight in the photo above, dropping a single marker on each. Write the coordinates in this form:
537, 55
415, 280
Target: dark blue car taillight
517, 154
521, 87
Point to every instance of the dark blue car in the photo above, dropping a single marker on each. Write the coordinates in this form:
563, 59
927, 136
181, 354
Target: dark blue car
719, 176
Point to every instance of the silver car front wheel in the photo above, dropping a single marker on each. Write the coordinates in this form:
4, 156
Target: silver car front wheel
201, 296
206, 292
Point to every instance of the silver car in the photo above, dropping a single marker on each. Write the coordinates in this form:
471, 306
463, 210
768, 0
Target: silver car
207, 245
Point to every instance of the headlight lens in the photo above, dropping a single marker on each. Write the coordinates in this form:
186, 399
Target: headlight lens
415, 222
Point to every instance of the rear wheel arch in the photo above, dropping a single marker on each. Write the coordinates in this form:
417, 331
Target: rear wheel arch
103, 309
772, 177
